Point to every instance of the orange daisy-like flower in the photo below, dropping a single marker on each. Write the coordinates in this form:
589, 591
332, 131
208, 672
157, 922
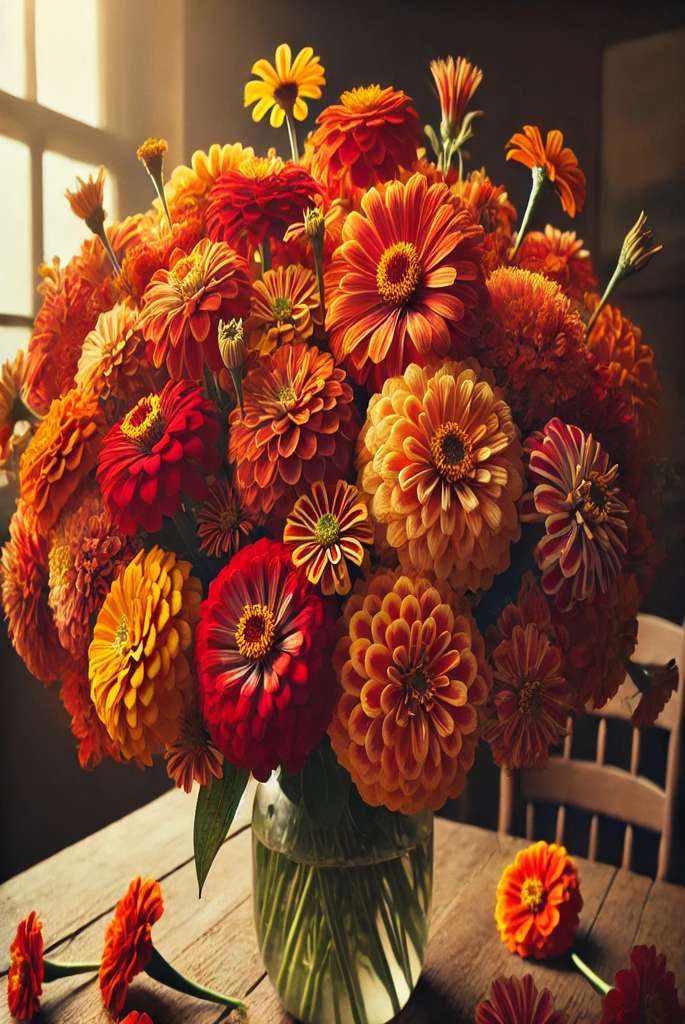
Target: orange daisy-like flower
137, 663
113, 361
456, 80
413, 679
61, 453
94, 744
25, 974
15, 417
182, 307
284, 88
365, 139
327, 528
406, 281
188, 187
298, 426
222, 521
518, 1001
559, 163
86, 201
192, 757
539, 902
440, 459
128, 940
285, 307
560, 256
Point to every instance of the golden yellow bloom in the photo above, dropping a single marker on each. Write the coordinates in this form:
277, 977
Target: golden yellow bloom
189, 186
283, 89
151, 153
86, 200
285, 307
139, 672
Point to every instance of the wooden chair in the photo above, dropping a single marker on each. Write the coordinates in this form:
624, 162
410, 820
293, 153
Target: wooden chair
606, 790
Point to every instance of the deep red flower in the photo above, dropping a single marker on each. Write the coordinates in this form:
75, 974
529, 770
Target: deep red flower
128, 940
518, 1001
644, 993
25, 975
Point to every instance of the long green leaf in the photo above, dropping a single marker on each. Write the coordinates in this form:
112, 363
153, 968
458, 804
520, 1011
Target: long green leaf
214, 812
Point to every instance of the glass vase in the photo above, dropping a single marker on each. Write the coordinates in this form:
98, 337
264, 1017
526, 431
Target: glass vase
341, 913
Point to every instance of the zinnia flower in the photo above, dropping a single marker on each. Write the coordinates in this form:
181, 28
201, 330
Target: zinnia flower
456, 80
406, 282
560, 256
558, 162
298, 426
182, 307
518, 1001
94, 743
140, 675
222, 521
261, 649
15, 417
284, 88
61, 453
365, 139
327, 528
158, 452
574, 492
644, 993
489, 206
192, 757
113, 360
188, 187
539, 902
25, 974
440, 459
413, 680
128, 940
258, 200
285, 307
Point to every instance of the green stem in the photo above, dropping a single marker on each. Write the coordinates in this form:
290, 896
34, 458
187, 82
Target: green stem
539, 178
294, 925
53, 969
617, 275
162, 971
292, 136
593, 978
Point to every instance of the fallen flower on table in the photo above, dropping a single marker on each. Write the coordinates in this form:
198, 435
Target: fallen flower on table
644, 993
137, 1018
518, 1001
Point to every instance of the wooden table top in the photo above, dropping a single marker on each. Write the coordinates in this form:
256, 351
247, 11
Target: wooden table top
212, 940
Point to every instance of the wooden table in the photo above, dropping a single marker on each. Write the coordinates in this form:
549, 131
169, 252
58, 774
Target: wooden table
213, 941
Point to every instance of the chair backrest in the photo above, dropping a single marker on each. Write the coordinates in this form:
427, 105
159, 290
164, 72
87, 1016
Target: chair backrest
606, 790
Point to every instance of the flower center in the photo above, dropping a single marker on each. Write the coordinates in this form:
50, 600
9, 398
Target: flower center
286, 395
255, 631
418, 688
229, 517
281, 308
327, 530
363, 98
592, 498
530, 698
60, 563
121, 636
285, 94
533, 895
398, 273
186, 277
451, 451
144, 423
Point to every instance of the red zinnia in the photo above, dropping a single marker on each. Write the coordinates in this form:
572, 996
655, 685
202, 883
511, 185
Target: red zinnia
518, 1001
261, 649
25, 974
644, 993
158, 452
128, 940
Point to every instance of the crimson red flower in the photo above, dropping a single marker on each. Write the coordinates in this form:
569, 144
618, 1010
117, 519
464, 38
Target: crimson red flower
518, 1001
158, 452
261, 647
644, 993
128, 940
25, 974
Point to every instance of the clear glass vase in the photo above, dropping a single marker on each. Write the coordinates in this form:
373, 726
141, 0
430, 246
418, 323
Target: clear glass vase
341, 914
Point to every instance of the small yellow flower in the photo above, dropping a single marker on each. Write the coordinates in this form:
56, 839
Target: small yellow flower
151, 153
283, 89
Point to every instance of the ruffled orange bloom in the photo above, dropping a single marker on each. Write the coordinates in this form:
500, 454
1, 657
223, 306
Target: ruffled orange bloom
222, 521
86, 201
559, 163
456, 80
61, 453
298, 426
113, 361
128, 940
192, 757
15, 422
284, 88
560, 256
25, 974
183, 305
188, 187
139, 671
285, 307
490, 207
539, 902
94, 744
327, 528
440, 459
406, 281
413, 679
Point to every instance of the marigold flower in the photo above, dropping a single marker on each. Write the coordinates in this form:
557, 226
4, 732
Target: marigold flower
128, 940
365, 139
188, 187
456, 80
260, 651
151, 153
285, 307
560, 256
158, 452
113, 360
326, 528
25, 974
298, 426
413, 680
15, 418
539, 902
559, 163
575, 493
222, 521
61, 453
86, 201
284, 88
645, 991
192, 757
140, 675
518, 1001
440, 459
94, 743
406, 281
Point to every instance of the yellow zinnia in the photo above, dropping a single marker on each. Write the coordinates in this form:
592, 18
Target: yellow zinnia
283, 89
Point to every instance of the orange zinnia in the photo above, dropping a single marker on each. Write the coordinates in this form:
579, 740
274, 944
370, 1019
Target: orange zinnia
560, 256
539, 902
113, 360
128, 940
285, 307
25, 974
559, 163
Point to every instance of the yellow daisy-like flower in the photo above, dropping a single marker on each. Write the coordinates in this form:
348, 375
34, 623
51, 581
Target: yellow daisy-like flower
137, 663
285, 307
283, 89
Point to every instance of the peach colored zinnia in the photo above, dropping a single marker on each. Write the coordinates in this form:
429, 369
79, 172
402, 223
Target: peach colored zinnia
113, 360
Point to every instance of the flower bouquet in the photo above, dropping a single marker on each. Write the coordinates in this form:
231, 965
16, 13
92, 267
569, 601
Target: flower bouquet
327, 470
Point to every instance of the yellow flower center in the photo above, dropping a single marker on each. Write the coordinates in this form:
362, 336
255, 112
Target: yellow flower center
281, 308
186, 277
398, 273
60, 563
327, 530
452, 451
364, 97
255, 631
533, 895
286, 395
530, 698
592, 498
121, 635
144, 423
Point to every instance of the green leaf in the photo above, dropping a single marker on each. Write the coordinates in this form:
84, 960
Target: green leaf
214, 812
325, 787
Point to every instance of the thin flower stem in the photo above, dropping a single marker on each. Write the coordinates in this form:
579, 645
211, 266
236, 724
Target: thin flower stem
162, 971
593, 978
159, 189
53, 969
617, 275
292, 136
539, 178
102, 235
295, 925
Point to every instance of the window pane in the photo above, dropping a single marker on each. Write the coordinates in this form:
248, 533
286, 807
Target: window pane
63, 231
67, 58
11, 340
15, 217
12, 47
